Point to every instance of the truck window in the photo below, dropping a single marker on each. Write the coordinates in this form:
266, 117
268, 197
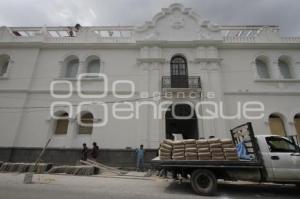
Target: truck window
278, 144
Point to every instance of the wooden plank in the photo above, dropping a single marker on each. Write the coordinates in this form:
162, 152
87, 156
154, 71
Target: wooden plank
107, 167
100, 167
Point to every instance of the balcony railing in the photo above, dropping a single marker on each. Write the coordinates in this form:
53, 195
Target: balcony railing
192, 82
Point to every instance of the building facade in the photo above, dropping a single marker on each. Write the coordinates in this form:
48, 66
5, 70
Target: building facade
177, 57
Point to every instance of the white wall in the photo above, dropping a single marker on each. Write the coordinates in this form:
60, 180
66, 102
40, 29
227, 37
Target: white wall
226, 66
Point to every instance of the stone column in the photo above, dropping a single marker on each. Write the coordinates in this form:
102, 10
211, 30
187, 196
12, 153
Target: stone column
148, 59
276, 71
71, 133
154, 83
215, 79
206, 87
82, 67
142, 126
277, 74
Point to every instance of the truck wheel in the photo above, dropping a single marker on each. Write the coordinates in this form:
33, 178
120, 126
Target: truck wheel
204, 182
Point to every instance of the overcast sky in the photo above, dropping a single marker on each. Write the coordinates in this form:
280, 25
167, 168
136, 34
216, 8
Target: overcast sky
285, 13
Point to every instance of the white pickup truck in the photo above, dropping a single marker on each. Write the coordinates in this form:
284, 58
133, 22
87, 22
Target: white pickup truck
275, 159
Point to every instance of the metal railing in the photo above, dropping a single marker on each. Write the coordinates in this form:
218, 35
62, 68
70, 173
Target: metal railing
181, 82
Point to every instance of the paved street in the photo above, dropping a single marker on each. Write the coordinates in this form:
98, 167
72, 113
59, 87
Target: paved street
74, 187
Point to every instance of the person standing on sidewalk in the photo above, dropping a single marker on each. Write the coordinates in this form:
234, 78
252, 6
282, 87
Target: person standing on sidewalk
84, 152
140, 158
95, 151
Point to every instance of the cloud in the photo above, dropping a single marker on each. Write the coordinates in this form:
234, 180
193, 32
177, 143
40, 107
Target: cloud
134, 12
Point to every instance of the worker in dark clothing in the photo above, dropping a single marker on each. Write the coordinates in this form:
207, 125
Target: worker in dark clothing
84, 152
140, 158
95, 151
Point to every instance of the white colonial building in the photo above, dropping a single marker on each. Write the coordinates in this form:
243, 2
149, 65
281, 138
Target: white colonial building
177, 52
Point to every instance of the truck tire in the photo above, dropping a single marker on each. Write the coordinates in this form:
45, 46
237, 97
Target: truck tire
204, 182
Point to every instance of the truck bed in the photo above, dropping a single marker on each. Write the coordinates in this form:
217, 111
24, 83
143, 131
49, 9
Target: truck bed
243, 133
156, 162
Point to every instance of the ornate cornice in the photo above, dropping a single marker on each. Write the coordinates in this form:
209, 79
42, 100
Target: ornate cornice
198, 60
151, 60
199, 32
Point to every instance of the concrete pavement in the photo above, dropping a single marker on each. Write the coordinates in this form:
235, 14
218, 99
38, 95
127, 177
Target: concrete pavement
131, 187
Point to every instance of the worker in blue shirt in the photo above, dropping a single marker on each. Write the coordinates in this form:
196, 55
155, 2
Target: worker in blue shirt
140, 158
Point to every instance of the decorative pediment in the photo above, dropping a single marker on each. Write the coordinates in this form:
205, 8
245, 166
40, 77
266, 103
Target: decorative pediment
177, 23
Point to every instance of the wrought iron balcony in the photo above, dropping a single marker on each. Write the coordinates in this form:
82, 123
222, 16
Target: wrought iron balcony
189, 82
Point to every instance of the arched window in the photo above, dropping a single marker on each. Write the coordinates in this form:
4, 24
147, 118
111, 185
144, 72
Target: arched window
284, 68
179, 72
61, 126
276, 125
297, 124
86, 126
93, 66
262, 68
4, 62
178, 66
72, 68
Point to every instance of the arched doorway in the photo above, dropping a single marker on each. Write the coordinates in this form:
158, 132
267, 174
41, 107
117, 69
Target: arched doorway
187, 127
86, 123
179, 72
276, 125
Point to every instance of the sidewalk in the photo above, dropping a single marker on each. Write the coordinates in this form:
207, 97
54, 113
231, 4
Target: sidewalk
17, 178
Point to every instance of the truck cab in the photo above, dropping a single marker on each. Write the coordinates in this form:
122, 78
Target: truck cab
281, 158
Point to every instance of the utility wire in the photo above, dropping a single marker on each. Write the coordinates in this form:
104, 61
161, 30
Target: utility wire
46, 107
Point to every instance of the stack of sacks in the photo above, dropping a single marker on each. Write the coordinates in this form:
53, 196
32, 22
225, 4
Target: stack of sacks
216, 149
227, 143
229, 149
203, 150
165, 150
178, 150
190, 149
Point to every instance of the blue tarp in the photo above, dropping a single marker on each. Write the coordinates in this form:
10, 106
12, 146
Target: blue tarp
242, 151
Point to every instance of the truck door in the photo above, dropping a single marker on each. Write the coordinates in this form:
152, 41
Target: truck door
285, 158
